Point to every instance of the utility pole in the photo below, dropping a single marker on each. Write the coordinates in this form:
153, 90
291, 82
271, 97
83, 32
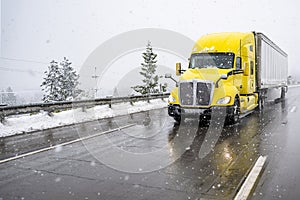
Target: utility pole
95, 77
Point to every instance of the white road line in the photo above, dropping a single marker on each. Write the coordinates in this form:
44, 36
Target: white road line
64, 144
293, 109
247, 186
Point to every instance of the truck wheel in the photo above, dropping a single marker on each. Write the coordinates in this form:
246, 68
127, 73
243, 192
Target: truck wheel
236, 110
262, 99
177, 119
261, 102
234, 116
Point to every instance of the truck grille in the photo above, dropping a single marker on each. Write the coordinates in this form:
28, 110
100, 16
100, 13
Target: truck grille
186, 93
195, 93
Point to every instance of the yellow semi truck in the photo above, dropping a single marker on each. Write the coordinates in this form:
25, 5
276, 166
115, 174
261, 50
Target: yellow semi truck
238, 71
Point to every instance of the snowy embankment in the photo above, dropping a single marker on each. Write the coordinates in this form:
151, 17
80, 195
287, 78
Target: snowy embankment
293, 86
27, 123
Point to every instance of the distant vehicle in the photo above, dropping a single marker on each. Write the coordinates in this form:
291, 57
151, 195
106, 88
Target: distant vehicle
239, 71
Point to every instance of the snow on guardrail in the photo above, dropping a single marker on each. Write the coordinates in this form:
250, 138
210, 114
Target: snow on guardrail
25, 123
292, 86
54, 106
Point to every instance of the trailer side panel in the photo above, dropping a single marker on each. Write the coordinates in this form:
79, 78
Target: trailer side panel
271, 63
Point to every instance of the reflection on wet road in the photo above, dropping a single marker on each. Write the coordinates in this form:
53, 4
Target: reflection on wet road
280, 141
155, 159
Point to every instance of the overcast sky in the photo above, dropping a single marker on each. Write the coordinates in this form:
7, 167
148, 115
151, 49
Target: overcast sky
33, 32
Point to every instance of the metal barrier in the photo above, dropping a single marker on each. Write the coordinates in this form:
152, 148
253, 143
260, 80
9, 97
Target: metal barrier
53, 106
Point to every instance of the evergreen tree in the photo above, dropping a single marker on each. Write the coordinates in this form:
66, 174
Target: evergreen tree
61, 82
69, 83
51, 84
148, 70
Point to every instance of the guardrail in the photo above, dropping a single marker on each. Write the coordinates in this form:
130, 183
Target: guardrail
53, 106
292, 86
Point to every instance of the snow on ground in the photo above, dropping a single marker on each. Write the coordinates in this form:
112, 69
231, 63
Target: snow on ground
293, 86
27, 123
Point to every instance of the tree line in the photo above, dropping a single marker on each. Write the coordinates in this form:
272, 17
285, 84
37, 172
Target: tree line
61, 81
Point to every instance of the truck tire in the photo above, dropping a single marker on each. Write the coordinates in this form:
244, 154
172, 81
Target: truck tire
261, 103
177, 119
261, 100
234, 116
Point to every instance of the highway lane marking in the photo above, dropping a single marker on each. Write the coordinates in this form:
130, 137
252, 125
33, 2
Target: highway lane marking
293, 109
64, 144
251, 179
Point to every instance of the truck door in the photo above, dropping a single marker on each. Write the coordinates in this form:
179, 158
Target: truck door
238, 78
249, 70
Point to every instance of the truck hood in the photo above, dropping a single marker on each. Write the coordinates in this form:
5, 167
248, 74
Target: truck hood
212, 74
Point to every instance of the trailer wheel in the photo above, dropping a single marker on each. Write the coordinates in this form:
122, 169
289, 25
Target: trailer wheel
261, 100
261, 103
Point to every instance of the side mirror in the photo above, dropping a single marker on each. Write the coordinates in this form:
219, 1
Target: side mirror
178, 69
238, 63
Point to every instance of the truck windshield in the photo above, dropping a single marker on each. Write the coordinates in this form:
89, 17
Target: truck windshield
219, 60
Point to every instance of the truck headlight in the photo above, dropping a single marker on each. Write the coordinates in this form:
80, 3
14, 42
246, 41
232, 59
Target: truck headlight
224, 100
171, 99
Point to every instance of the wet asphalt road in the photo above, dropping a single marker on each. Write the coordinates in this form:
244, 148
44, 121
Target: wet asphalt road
281, 177
155, 159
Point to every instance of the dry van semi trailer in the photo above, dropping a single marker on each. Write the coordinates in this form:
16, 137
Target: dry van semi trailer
238, 72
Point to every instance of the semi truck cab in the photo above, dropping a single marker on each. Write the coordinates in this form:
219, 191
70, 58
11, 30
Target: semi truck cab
230, 71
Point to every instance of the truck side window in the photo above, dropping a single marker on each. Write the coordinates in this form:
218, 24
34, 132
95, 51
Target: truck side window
251, 67
238, 63
251, 48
